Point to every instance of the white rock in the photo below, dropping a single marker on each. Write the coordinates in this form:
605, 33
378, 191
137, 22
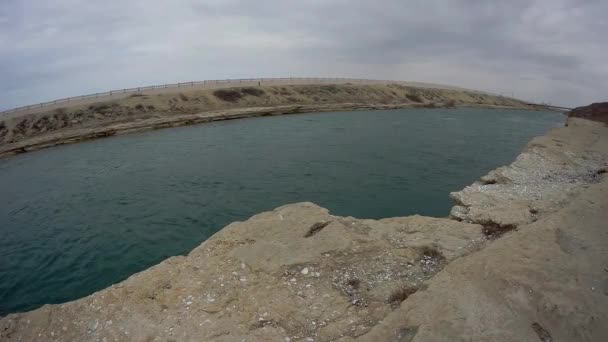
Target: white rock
305, 271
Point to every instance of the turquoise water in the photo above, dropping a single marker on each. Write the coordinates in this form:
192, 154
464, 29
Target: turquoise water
77, 218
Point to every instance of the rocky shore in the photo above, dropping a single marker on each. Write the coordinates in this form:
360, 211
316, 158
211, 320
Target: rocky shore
138, 112
523, 257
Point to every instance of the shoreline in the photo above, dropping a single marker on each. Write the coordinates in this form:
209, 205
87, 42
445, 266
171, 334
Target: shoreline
149, 112
506, 261
75, 136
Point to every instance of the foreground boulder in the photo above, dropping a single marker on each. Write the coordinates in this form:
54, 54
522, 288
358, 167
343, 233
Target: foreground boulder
295, 273
298, 273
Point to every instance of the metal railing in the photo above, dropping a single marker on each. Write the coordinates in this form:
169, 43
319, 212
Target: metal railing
216, 84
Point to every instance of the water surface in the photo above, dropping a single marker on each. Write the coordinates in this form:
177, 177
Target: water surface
77, 218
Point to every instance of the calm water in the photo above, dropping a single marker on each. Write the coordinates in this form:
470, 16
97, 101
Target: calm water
78, 218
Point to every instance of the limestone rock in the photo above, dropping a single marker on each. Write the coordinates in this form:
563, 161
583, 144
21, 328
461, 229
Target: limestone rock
545, 176
296, 272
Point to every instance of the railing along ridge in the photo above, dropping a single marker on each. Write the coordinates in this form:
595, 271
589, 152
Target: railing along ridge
215, 82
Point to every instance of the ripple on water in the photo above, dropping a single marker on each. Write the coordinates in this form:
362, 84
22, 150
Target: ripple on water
78, 218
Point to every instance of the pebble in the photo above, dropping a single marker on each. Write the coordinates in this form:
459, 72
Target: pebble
305, 271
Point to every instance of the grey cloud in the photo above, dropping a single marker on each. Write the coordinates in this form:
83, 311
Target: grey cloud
550, 50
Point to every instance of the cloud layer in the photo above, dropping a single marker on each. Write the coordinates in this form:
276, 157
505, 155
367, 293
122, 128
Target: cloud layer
546, 50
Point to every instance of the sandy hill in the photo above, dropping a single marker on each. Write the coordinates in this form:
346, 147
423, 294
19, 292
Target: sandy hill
81, 120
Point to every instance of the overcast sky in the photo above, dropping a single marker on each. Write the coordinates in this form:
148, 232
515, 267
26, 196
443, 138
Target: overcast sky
549, 50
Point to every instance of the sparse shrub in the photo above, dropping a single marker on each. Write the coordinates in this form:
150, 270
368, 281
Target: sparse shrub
228, 95
101, 108
284, 92
450, 104
23, 126
3, 130
183, 97
139, 106
253, 91
329, 88
150, 107
414, 98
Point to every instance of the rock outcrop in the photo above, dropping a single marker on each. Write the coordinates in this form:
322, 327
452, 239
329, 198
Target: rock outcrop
594, 112
298, 273
544, 177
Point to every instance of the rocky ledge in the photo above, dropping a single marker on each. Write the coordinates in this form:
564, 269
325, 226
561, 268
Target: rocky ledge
525, 259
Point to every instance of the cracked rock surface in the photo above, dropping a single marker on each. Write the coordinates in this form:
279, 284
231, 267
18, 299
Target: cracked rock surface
265, 279
551, 171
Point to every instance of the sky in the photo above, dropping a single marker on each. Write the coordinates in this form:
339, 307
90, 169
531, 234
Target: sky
552, 51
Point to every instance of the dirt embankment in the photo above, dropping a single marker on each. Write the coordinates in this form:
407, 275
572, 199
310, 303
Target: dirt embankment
139, 112
595, 112
523, 259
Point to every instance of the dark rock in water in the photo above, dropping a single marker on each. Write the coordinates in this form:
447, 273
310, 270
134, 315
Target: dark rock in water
595, 111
